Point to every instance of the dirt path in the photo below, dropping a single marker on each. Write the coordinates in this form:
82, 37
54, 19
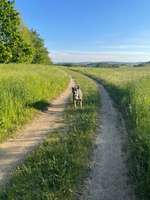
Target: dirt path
13, 151
108, 177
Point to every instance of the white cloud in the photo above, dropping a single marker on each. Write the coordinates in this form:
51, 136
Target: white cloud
128, 47
77, 56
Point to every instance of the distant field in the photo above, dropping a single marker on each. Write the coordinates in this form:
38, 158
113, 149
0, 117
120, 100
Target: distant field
130, 89
25, 89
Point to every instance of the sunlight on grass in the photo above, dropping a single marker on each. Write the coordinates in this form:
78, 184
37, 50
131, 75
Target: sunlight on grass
130, 89
23, 86
56, 169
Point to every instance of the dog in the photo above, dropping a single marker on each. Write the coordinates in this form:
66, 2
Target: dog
77, 96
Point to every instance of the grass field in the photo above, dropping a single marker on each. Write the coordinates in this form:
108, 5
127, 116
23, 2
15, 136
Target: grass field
25, 89
130, 89
56, 168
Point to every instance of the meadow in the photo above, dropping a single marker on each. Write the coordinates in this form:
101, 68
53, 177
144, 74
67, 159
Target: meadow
25, 89
55, 169
130, 89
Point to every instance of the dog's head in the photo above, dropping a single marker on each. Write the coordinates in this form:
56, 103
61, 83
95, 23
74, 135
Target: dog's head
75, 93
74, 89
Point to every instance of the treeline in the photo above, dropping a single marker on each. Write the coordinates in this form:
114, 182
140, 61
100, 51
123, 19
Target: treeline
18, 44
144, 64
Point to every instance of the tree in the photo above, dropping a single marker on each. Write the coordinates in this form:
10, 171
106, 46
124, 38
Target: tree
5, 53
41, 54
12, 46
17, 43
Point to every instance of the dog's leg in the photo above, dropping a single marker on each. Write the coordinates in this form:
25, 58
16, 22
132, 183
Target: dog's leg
75, 104
81, 104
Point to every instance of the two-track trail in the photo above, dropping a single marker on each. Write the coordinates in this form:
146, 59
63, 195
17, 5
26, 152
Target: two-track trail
108, 178
14, 151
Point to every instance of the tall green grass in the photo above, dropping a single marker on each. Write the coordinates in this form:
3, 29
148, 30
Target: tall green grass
56, 168
130, 89
25, 88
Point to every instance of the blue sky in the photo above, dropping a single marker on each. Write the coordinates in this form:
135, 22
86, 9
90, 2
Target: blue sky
91, 30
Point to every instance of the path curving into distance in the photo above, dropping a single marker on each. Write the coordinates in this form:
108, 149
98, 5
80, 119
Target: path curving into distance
108, 179
14, 151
